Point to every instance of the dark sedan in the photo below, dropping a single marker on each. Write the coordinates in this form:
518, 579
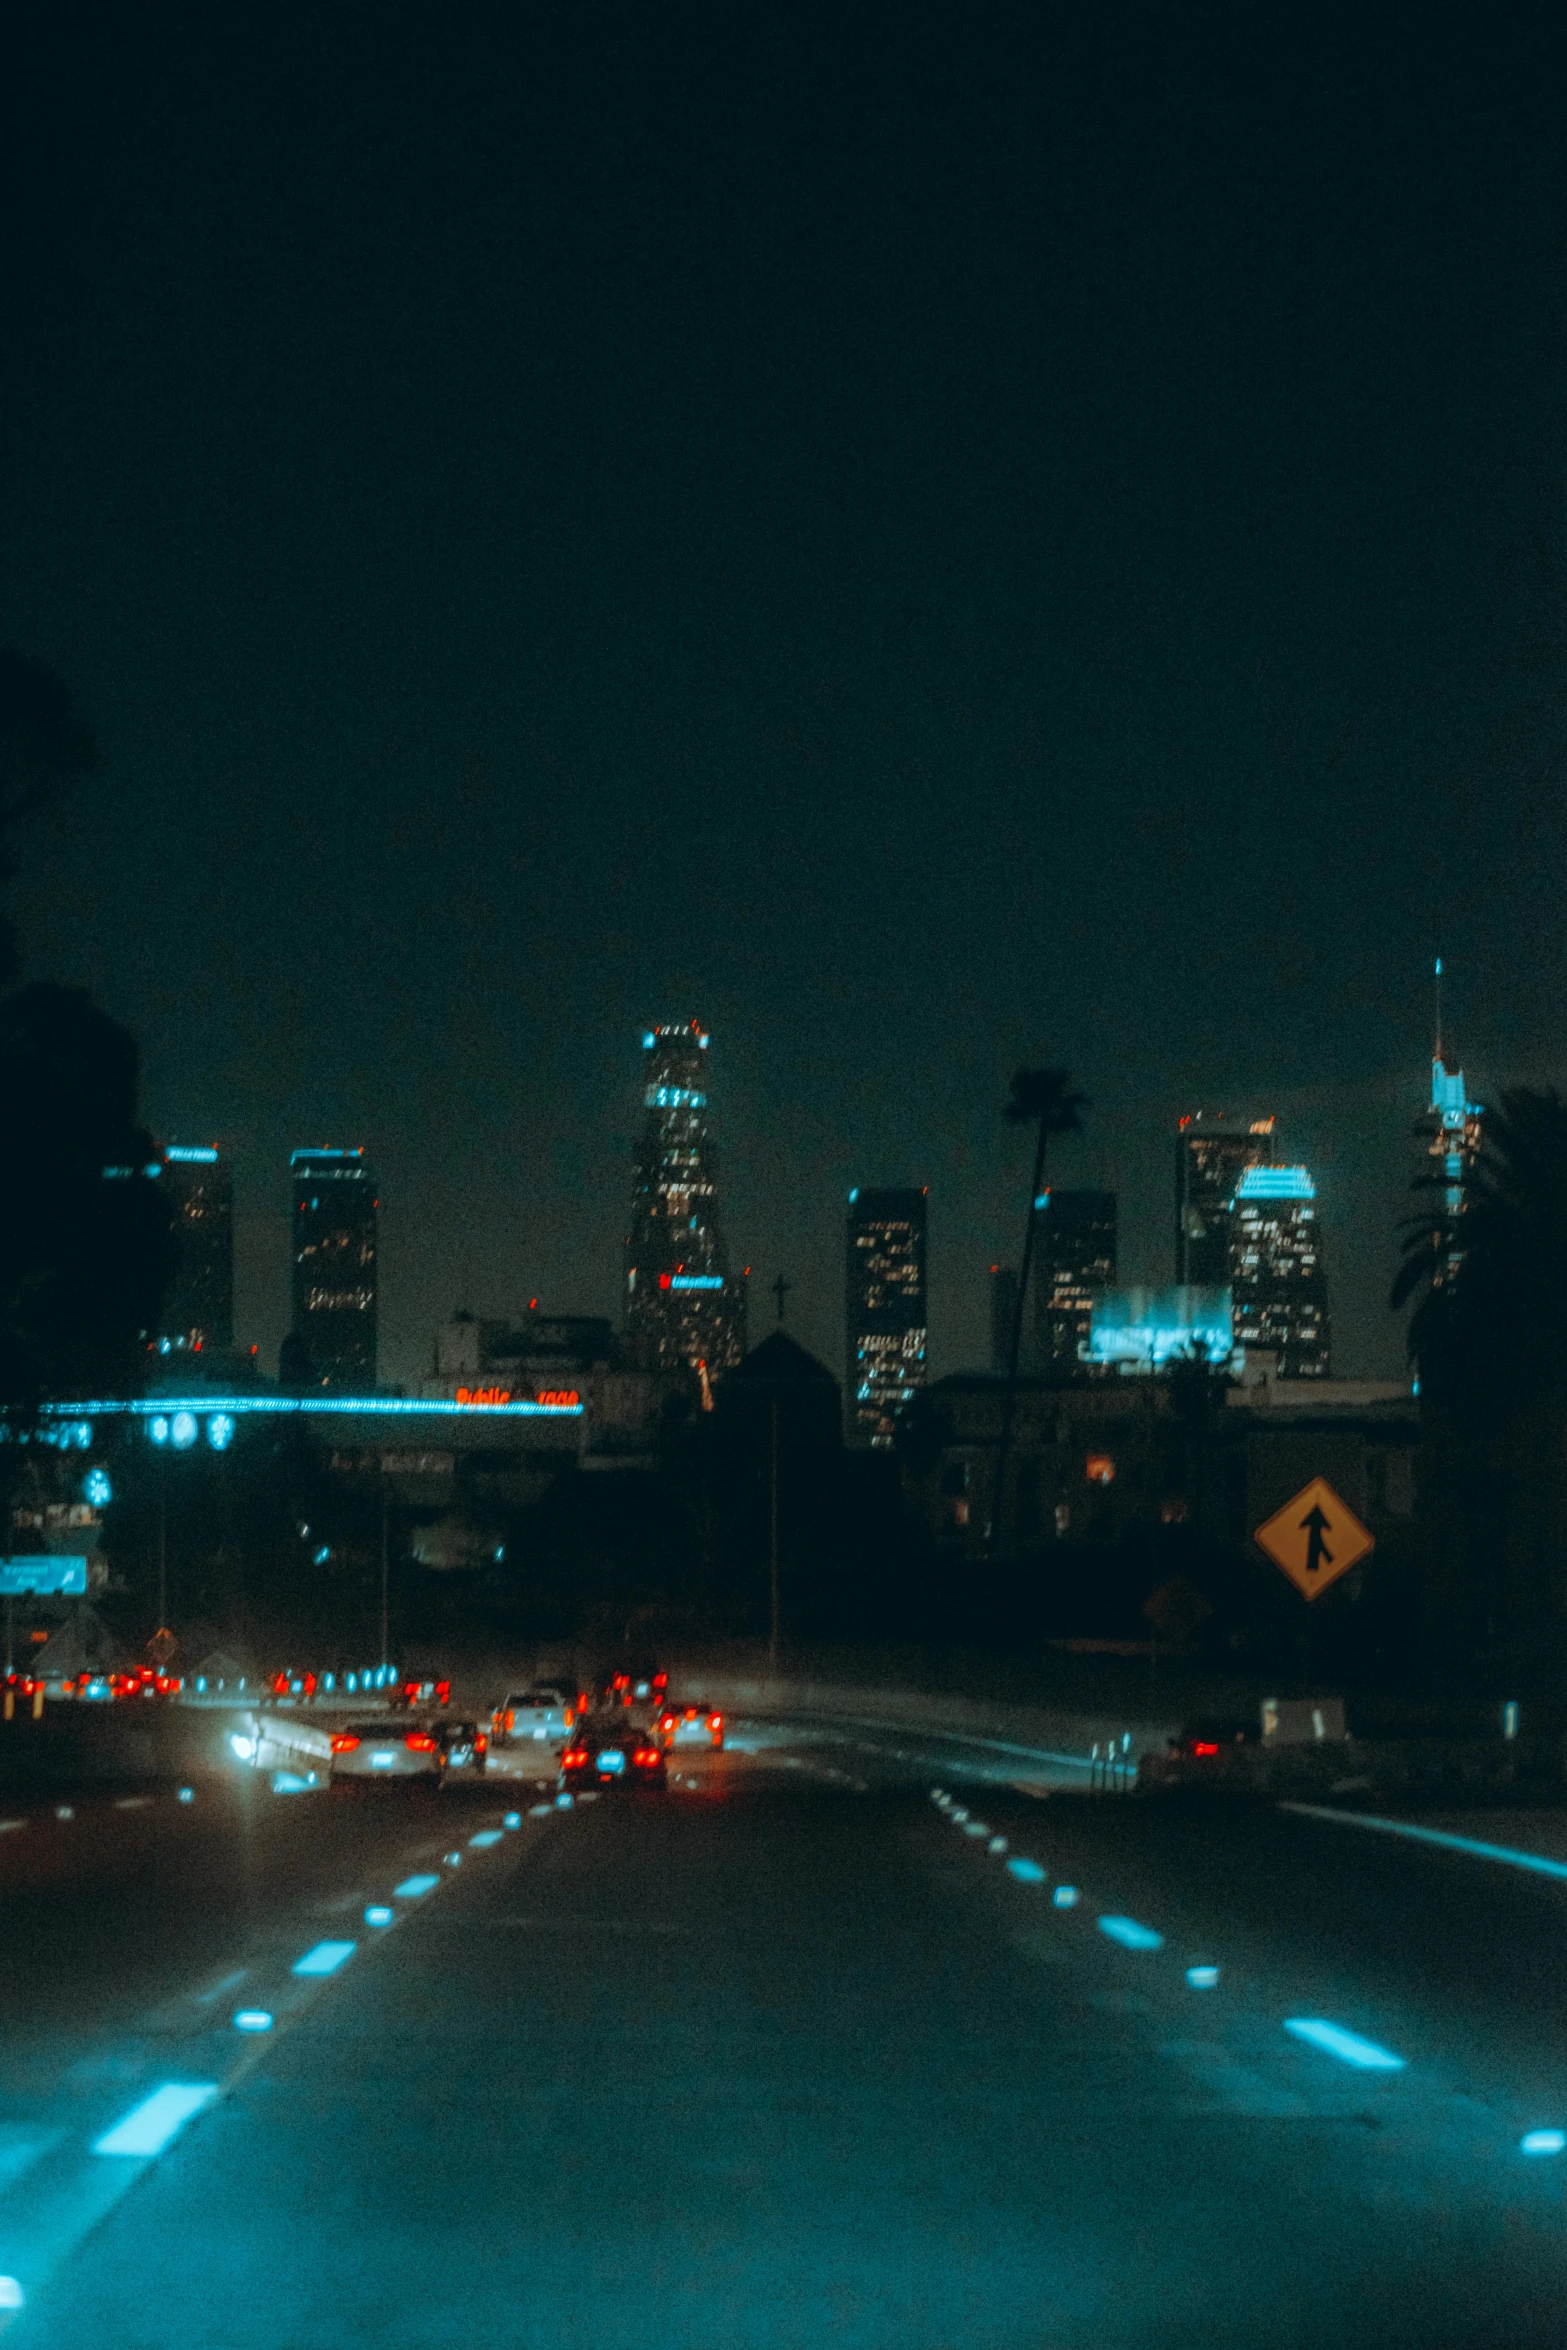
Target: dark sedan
612, 1751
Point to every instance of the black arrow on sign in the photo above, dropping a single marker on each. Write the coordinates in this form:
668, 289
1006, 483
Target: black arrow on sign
1314, 1525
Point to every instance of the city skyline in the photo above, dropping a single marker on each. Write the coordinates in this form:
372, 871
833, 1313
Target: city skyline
959, 1337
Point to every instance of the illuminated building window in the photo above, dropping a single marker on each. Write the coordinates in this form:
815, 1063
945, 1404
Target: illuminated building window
1099, 1469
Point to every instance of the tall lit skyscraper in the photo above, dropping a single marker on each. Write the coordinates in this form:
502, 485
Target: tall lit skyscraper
1075, 1244
198, 1314
334, 1250
885, 1310
1210, 1158
1451, 1132
1278, 1283
683, 1306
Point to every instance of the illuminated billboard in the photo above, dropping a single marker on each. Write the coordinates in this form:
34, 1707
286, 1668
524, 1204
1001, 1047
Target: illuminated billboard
1146, 1329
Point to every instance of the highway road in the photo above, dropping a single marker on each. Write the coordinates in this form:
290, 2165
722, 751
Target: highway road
843, 2041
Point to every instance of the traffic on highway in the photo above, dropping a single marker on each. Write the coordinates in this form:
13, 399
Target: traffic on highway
980, 2053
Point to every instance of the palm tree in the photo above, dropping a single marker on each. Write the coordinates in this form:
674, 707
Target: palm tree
1043, 1099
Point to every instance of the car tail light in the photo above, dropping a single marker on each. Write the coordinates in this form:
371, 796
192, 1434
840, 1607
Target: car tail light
343, 1742
716, 1722
481, 1744
570, 1717
443, 1693
645, 1755
420, 1741
1205, 1746
575, 1759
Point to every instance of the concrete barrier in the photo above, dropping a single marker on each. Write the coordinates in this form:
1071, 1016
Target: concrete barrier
1047, 1734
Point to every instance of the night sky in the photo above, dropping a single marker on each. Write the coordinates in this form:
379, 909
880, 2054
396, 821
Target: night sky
931, 539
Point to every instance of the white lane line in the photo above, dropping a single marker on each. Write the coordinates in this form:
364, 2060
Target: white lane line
7, 1825
252, 2019
1131, 1935
325, 1959
133, 1803
1065, 1897
1543, 2142
1203, 1978
1367, 2056
149, 2127
485, 1838
1533, 1861
379, 1915
1027, 1872
412, 1888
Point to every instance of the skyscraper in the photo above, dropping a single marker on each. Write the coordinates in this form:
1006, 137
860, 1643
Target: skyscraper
884, 1296
198, 1314
1075, 1243
1278, 1283
683, 1306
1451, 1132
1210, 1158
334, 1250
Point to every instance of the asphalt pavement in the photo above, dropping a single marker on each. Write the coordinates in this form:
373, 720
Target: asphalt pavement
846, 2039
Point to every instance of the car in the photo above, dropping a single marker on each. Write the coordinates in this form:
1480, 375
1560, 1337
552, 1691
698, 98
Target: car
691, 1724
461, 1750
385, 1750
415, 1691
541, 1716
610, 1751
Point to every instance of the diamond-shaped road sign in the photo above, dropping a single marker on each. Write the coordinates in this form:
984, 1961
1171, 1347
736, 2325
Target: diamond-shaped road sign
1315, 1538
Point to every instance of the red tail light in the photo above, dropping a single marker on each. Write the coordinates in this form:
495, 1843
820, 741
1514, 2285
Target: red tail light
343, 1742
1205, 1746
575, 1759
481, 1743
645, 1755
420, 1741
443, 1693
716, 1722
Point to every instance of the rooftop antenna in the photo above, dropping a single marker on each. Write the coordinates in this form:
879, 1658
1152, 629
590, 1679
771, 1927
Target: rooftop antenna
1436, 993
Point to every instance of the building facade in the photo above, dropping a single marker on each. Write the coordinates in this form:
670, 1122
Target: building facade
884, 1298
1451, 1131
334, 1215
1211, 1156
198, 1315
1278, 1282
1075, 1246
684, 1308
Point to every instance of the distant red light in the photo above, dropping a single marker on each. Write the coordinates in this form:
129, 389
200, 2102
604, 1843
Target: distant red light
1204, 1746
343, 1742
420, 1742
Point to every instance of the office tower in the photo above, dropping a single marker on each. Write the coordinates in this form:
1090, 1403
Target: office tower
683, 1306
1210, 1158
884, 1296
1003, 1313
1075, 1255
1278, 1283
334, 1250
198, 1314
1451, 1132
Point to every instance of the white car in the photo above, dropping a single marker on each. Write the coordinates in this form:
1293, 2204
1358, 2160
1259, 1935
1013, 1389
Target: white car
541, 1716
386, 1749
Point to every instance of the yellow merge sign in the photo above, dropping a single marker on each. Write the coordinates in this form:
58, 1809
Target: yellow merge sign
1315, 1538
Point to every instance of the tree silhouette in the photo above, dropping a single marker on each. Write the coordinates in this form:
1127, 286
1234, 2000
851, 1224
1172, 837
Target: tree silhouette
1045, 1100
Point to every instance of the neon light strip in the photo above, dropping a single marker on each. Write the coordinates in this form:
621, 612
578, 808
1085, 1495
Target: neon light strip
1534, 1861
144, 1407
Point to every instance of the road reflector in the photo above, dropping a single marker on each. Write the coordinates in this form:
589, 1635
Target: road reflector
149, 2127
325, 1959
1315, 1538
1365, 2055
